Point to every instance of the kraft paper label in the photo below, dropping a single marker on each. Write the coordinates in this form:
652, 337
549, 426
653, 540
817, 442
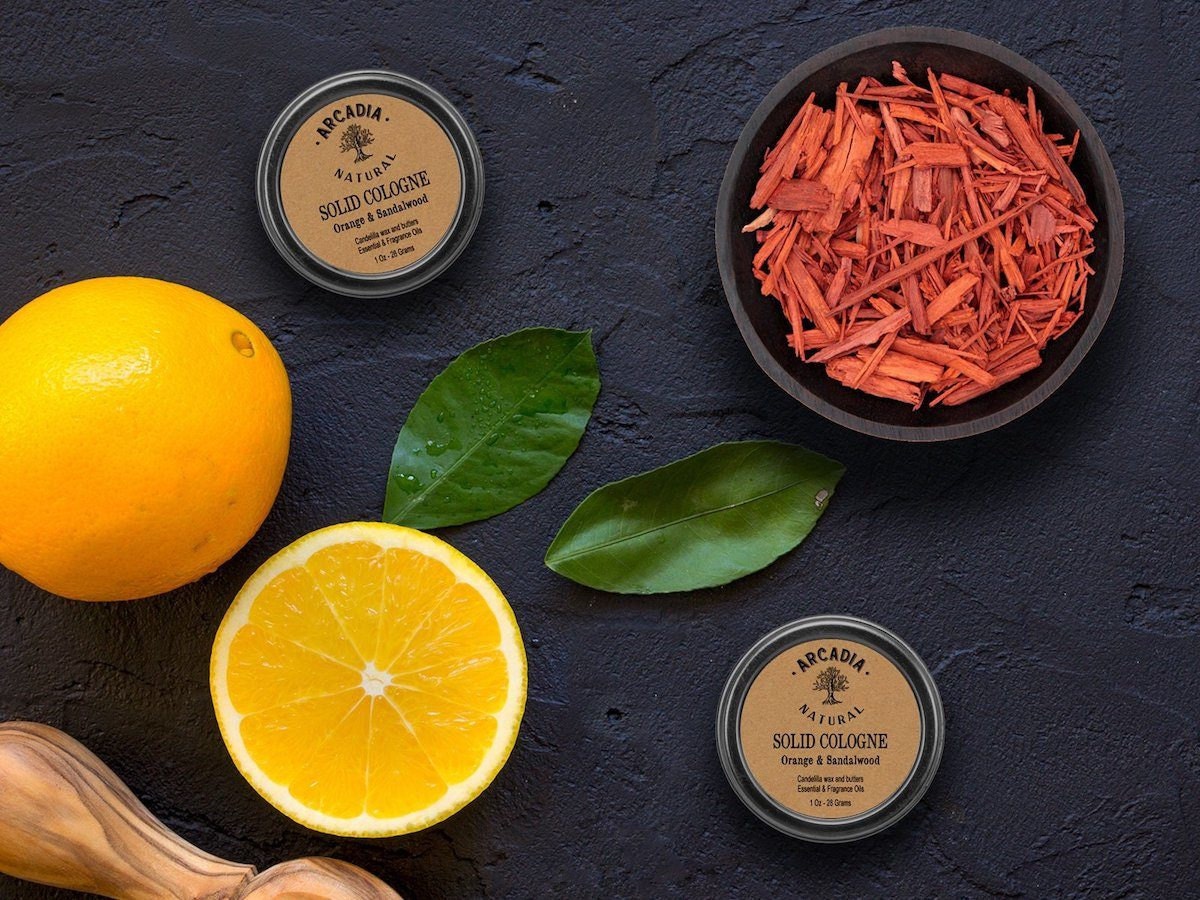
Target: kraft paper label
370, 184
830, 728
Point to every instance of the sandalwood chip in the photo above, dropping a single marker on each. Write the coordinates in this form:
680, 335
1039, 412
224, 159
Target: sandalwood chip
850, 249
924, 239
846, 371
931, 154
924, 233
894, 364
1041, 225
951, 296
800, 194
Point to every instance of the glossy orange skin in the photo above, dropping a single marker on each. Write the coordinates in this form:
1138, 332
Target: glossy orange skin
144, 431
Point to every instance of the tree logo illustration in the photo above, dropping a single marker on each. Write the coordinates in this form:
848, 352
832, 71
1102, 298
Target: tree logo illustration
355, 138
831, 681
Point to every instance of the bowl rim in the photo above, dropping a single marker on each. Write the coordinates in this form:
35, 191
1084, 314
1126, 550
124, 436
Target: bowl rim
1041, 81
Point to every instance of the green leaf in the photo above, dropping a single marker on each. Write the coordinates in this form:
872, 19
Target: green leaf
493, 428
701, 521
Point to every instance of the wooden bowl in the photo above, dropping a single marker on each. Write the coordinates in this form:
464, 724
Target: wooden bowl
763, 324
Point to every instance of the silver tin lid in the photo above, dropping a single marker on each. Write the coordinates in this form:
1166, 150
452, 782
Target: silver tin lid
431, 261
928, 754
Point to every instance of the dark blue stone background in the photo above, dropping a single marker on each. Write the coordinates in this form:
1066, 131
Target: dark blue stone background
1046, 572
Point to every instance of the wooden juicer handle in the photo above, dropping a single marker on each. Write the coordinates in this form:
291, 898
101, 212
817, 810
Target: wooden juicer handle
68, 821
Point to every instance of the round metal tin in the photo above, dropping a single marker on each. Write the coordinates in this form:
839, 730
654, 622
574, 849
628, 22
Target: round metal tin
730, 747
308, 263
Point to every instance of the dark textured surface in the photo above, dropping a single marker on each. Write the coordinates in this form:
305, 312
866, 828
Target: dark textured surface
1046, 571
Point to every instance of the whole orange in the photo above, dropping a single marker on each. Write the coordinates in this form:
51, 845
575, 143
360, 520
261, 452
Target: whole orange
144, 430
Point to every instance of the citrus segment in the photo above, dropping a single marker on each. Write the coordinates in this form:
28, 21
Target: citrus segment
452, 737
408, 571
334, 780
478, 682
292, 607
400, 776
282, 740
267, 670
369, 680
350, 579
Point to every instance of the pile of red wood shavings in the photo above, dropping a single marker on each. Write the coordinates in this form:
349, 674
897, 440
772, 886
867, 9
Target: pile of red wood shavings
924, 243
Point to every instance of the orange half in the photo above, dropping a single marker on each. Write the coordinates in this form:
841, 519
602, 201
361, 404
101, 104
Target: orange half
369, 680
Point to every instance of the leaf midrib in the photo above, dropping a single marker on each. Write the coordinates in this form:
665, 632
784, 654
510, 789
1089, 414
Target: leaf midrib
424, 492
596, 548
